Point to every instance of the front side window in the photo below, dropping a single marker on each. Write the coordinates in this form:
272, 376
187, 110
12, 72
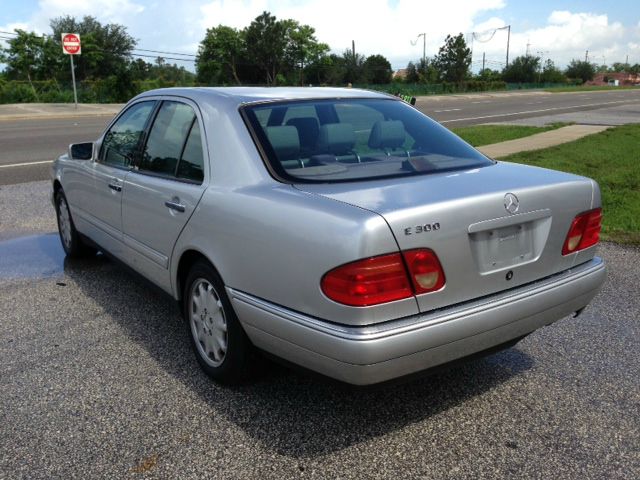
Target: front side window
355, 139
121, 142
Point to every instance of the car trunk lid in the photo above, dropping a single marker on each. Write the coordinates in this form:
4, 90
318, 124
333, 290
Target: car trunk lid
493, 228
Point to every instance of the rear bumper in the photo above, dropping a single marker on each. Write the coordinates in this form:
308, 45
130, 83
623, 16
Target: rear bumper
376, 353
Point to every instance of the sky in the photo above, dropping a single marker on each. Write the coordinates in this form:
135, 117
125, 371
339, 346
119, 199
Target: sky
560, 30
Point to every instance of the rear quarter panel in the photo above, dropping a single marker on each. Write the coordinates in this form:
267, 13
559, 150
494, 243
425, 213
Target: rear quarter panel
276, 243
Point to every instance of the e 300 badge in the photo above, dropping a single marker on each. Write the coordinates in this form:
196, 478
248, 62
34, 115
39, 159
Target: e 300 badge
427, 227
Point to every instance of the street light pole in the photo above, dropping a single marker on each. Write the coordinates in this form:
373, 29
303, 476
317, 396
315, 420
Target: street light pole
424, 51
542, 54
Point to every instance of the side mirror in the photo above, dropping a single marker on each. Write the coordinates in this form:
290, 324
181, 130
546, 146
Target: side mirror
81, 151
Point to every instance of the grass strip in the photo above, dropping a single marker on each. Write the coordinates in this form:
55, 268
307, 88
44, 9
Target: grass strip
480, 135
612, 158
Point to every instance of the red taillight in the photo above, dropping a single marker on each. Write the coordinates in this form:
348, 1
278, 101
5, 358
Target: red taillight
368, 282
425, 270
383, 279
584, 231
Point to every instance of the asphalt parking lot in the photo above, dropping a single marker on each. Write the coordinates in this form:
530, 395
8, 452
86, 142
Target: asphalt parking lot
98, 381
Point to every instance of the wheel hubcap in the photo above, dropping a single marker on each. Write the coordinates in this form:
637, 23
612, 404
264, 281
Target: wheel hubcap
208, 322
64, 222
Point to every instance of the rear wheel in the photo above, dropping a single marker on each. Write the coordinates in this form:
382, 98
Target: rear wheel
217, 338
69, 236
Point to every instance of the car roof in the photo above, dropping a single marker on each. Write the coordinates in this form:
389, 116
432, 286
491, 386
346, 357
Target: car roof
244, 95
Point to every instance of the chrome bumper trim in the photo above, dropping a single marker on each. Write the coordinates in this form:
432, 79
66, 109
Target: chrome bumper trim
415, 322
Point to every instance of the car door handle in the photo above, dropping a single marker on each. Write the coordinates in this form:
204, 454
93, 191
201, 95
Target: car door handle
178, 207
115, 187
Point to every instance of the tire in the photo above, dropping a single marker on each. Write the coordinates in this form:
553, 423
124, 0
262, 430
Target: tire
69, 236
220, 344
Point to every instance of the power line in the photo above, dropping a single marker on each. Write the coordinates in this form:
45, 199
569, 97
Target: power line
133, 50
168, 53
166, 58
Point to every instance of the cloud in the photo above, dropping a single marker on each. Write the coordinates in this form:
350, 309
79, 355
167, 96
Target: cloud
377, 26
566, 36
112, 11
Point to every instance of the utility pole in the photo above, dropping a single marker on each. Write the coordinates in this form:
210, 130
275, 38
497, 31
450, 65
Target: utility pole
483, 61
508, 40
528, 45
353, 49
586, 56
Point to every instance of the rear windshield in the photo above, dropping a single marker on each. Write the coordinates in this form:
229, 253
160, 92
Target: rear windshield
355, 139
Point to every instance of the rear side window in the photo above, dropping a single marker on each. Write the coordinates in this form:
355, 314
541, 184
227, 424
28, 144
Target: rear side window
191, 163
174, 147
355, 139
121, 142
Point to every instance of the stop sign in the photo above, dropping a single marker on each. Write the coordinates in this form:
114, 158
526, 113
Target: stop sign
71, 43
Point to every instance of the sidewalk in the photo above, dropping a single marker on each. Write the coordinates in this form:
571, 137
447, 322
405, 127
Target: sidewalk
28, 111
541, 140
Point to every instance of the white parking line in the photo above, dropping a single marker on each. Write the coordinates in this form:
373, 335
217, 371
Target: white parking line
536, 111
25, 164
447, 110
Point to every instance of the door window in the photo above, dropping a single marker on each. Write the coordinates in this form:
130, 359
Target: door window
190, 166
174, 146
121, 141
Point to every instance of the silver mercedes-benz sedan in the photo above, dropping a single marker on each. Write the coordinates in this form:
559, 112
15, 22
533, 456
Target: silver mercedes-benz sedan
341, 230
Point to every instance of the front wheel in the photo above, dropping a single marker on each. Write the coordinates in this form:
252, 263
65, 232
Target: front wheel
217, 338
69, 236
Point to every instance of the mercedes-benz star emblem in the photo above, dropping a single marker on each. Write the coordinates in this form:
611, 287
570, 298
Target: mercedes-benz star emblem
511, 203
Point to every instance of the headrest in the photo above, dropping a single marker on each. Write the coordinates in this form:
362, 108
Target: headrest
336, 138
308, 129
284, 141
387, 134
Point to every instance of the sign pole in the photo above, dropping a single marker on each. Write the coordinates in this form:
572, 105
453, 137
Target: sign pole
73, 79
71, 46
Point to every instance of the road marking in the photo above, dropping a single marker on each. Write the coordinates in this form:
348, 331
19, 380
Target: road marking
535, 111
447, 110
484, 101
26, 164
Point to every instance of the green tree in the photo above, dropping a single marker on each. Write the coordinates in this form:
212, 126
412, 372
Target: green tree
412, 73
580, 69
523, 69
302, 47
219, 54
488, 75
353, 64
106, 49
552, 74
453, 59
377, 69
29, 56
619, 67
327, 69
266, 43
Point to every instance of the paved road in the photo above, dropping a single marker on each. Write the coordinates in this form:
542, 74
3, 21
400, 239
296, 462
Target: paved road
98, 381
460, 110
35, 141
32, 141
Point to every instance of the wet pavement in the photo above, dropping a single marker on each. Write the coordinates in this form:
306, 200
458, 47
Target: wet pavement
33, 256
98, 380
